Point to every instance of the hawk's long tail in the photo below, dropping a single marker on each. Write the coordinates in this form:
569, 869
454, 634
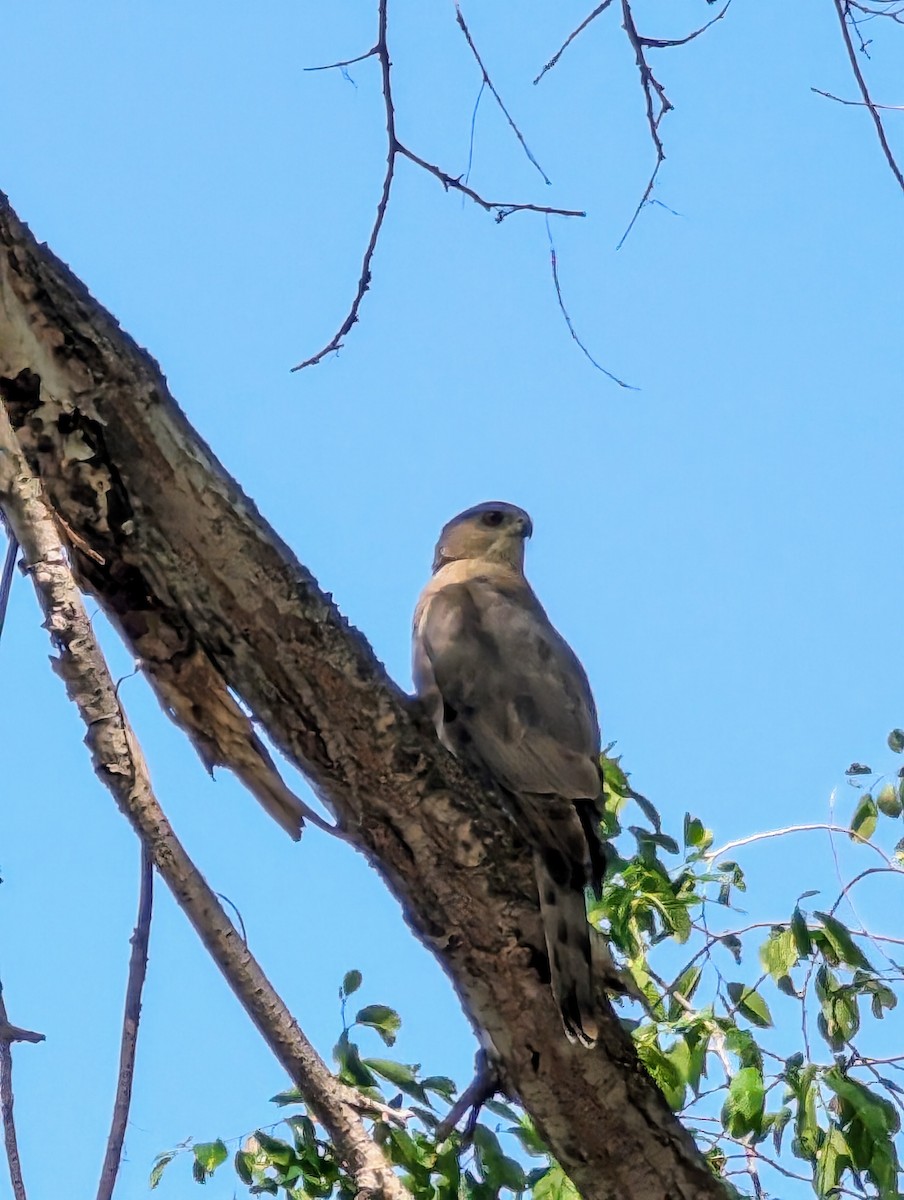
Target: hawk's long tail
561, 879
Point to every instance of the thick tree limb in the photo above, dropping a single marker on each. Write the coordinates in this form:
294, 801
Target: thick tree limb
120, 765
184, 565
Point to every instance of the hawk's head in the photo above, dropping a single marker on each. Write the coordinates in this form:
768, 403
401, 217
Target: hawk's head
493, 531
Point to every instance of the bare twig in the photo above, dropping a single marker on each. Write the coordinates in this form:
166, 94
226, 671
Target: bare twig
843, 11
857, 103
498, 207
574, 33
138, 965
712, 855
665, 43
347, 62
567, 316
395, 148
6, 579
654, 98
120, 765
7, 1102
489, 83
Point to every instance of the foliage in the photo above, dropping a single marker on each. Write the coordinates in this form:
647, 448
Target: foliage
823, 1113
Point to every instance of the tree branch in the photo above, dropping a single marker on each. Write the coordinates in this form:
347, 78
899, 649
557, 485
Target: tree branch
11, 1033
395, 148
842, 10
103, 433
120, 766
138, 965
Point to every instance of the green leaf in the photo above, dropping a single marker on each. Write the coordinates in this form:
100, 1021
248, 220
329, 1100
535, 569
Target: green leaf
442, 1085
802, 942
742, 1112
208, 1156
842, 943
161, 1162
351, 982
750, 1004
244, 1166
896, 741
778, 953
696, 835
386, 1021
401, 1074
877, 1114
779, 1121
279, 1152
832, 1160
865, 818
889, 802
555, 1185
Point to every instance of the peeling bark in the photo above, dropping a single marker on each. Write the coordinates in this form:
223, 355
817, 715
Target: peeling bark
213, 603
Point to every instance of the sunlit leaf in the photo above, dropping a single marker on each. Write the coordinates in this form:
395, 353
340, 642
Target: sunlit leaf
386, 1021
351, 982
865, 818
750, 1004
742, 1112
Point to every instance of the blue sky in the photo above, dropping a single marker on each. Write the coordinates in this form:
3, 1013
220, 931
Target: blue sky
722, 546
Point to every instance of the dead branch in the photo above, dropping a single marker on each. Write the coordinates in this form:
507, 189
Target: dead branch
6, 578
7, 1099
574, 33
842, 8
138, 965
567, 317
394, 149
193, 564
119, 764
487, 81
857, 103
657, 105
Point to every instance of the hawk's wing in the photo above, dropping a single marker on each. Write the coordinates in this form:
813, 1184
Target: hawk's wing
505, 688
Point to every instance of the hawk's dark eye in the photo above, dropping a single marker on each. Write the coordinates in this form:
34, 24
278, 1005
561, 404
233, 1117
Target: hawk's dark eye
493, 518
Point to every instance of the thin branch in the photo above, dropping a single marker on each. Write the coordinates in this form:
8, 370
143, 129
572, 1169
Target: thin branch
347, 62
7, 1101
483, 1086
842, 10
567, 316
381, 51
712, 855
498, 207
489, 83
654, 94
138, 965
665, 43
394, 148
857, 103
574, 33
120, 765
6, 579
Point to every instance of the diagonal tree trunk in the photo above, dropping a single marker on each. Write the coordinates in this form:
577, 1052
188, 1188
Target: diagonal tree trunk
213, 603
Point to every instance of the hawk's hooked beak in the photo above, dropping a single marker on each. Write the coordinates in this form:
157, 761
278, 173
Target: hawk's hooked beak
526, 526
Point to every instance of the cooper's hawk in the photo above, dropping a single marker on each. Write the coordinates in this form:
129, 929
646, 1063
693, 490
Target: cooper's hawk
506, 691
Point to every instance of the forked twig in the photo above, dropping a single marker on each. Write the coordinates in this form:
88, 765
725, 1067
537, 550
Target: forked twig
394, 149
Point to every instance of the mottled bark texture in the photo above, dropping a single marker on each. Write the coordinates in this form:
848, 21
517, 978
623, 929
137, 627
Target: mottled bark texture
211, 601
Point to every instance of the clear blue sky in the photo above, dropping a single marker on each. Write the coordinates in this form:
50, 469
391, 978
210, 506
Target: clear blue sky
722, 547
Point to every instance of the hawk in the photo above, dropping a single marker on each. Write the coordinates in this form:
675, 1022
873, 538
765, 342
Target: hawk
507, 692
